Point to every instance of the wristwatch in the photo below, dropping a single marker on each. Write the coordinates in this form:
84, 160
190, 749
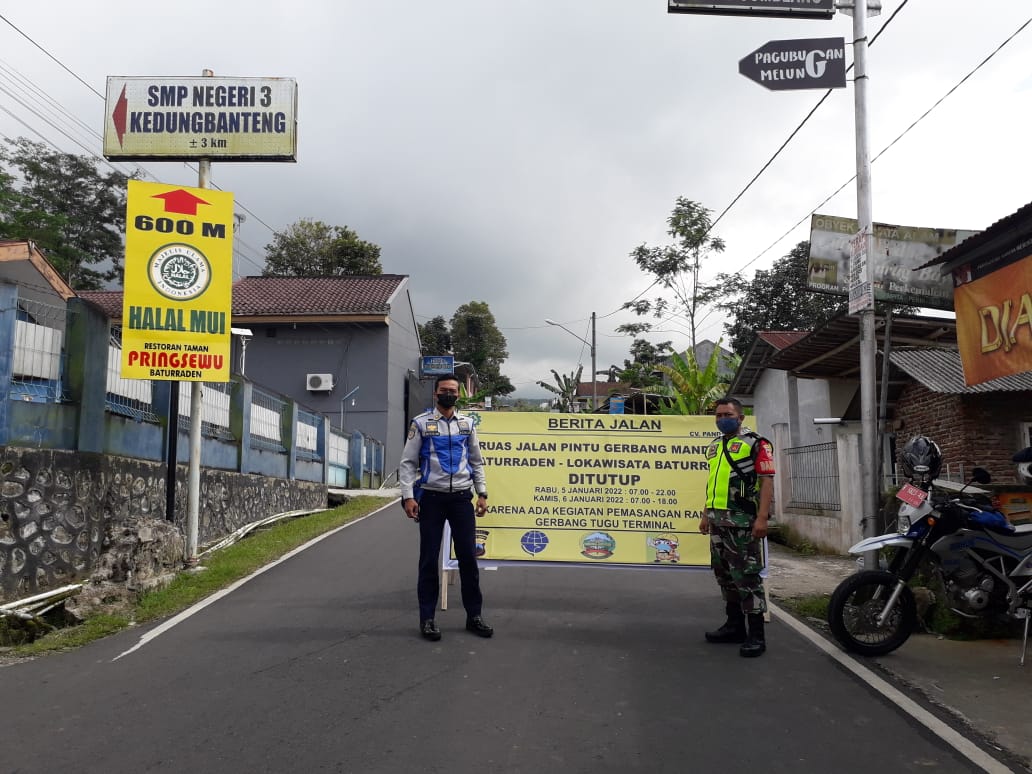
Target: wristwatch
482, 494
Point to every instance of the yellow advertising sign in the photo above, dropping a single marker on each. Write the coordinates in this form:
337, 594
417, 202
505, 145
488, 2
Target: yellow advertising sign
594, 489
994, 320
178, 283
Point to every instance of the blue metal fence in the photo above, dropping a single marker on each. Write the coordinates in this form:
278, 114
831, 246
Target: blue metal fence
67, 361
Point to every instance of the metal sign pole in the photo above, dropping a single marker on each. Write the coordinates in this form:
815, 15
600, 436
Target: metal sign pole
865, 218
193, 508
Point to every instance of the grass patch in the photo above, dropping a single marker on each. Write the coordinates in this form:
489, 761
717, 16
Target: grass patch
807, 607
786, 536
221, 569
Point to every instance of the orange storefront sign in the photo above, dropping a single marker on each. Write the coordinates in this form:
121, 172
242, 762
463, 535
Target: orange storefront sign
994, 321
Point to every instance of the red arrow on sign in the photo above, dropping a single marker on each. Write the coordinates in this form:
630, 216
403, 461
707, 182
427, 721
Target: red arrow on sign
183, 202
119, 114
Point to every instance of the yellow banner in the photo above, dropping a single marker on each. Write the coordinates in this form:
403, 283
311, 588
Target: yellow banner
594, 489
177, 307
994, 322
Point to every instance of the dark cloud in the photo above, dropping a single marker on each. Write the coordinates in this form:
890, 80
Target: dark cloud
516, 153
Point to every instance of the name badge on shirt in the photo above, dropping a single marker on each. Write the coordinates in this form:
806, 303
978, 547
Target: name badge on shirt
432, 429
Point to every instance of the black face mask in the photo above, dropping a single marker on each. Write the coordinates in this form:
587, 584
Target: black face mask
447, 401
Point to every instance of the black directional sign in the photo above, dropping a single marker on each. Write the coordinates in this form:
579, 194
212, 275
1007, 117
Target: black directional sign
811, 9
780, 65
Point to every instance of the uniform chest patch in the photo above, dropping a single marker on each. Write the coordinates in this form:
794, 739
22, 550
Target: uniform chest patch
734, 446
464, 427
711, 452
432, 429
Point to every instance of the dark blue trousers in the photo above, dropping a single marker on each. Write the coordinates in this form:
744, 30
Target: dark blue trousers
436, 508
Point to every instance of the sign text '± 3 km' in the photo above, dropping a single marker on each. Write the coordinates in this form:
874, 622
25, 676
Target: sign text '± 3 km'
178, 283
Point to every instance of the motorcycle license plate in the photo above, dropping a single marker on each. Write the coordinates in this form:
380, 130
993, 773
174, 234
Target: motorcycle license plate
911, 495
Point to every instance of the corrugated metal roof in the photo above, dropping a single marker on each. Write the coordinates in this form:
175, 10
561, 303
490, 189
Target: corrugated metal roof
941, 370
781, 339
833, 350
983, 240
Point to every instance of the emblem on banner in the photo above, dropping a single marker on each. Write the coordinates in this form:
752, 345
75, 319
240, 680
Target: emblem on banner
480, 544
534, 542
598, 545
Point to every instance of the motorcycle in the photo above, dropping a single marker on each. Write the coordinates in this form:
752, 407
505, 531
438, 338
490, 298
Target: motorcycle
984, 563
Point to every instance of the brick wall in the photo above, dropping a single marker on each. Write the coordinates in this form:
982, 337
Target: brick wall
972, 430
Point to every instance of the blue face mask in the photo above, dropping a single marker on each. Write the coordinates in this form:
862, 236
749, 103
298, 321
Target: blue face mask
727, 425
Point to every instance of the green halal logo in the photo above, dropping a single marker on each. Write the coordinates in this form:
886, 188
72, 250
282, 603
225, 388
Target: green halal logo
179, 272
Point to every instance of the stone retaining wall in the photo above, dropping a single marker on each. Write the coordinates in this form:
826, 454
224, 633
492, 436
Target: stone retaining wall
67, 516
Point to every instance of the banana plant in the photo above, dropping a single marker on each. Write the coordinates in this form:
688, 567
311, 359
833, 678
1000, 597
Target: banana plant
694, 389
565, 389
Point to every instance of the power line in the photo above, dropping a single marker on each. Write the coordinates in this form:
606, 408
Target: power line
51, 56
795, 131
102, 97
880, 153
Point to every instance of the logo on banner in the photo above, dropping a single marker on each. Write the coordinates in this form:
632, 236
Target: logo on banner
598, 545
534, 542
179, 272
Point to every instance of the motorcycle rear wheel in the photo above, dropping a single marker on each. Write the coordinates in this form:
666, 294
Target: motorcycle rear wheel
855, 606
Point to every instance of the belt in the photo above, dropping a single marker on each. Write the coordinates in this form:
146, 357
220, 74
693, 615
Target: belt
454, 493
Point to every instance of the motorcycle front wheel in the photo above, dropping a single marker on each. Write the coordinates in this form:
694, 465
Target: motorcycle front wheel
854, 609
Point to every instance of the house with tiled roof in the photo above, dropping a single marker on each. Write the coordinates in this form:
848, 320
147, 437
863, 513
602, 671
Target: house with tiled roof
345, 347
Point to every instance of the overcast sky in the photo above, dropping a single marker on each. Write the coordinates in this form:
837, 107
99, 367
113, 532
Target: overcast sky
516, 153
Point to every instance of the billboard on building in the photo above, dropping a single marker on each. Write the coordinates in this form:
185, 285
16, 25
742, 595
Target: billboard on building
994, 315
895, 256
438, 365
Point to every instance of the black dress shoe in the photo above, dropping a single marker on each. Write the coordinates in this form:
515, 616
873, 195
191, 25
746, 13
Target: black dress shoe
429, 630
476, 625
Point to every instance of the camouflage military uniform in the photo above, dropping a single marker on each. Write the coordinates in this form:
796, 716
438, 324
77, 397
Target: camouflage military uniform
735, 555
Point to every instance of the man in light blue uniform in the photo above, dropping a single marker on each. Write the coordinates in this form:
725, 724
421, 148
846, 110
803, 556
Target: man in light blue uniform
440, 469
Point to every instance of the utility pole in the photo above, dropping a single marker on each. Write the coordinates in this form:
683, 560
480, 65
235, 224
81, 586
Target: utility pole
591, 345
868, 337
594, 383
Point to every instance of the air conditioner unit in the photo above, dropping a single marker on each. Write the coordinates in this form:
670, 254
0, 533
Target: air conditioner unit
320, 382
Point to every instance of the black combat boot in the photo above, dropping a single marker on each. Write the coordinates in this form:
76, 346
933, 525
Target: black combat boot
733, 629
755, 643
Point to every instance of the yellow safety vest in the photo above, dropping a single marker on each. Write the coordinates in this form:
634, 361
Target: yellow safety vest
724, 482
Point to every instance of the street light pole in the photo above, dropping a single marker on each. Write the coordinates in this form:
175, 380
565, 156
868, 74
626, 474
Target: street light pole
591, 345
343, 407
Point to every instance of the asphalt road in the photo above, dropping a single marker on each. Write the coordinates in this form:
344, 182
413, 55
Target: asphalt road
316, 666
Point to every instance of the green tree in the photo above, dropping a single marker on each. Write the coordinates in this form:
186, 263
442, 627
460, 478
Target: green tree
694, 388
435, 336
642, 370
677, 268
68, 207
476, 340
311, 248
565, 389
776, 299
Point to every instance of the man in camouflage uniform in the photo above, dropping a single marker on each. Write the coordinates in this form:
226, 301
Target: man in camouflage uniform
739, 491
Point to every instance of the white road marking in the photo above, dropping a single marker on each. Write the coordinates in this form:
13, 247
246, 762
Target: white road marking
178, 619
957, 741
